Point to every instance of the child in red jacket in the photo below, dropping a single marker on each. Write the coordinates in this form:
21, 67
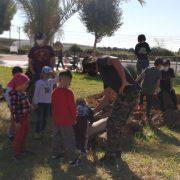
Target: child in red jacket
20, 109
64, 117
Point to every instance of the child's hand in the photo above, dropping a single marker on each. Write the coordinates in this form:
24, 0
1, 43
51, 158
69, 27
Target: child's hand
35, 107
17, 126
157, 90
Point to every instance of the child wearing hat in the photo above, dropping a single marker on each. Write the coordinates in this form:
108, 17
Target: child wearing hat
20, 109
10, 87
42, 99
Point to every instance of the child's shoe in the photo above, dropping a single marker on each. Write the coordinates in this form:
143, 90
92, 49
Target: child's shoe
75, 163
16, 158
54, 157
27, 152
37, 136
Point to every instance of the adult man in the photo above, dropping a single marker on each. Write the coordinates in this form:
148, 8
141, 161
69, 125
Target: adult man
117, 78
40, 55
60, 56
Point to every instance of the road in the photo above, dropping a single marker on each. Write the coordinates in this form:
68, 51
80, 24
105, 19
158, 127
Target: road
22, 60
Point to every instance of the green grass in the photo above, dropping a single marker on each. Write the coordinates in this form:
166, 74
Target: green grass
157, 156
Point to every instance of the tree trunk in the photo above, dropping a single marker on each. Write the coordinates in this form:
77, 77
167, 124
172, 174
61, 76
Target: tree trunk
94, 47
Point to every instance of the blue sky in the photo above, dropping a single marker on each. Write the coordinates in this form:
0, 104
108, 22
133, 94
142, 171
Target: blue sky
158, 19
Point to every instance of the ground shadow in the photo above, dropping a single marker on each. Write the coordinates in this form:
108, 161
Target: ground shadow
166, 138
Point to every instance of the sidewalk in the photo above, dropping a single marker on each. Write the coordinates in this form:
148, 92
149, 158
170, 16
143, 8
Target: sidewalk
13, 57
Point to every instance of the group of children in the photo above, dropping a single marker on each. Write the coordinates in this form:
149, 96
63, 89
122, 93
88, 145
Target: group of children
52, 97
71, 119
156, 81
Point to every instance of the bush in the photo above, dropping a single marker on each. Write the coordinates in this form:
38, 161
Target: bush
161, 52
23, 51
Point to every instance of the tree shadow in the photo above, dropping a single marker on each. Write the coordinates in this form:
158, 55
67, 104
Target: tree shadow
166, 138
94, 78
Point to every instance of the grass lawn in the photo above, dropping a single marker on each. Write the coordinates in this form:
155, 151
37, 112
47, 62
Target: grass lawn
156, 156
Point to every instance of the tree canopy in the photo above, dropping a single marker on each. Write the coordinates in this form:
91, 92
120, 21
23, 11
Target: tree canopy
46, 16
7, 11
102, 18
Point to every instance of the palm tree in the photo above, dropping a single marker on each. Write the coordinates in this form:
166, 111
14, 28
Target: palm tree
7, 11
47, 16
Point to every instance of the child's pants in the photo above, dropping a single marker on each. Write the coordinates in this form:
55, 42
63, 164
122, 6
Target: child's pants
81, 133
43, 113
172, 95
141, 65
64, 134
149, 99
20, 137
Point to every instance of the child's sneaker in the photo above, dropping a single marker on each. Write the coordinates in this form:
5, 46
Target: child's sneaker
37, 136
54, 157
75, 163
16, 158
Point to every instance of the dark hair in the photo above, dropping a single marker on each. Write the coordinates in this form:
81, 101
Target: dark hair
166, 62
16, 70
65, 73
158, 61
39, 36
141, 37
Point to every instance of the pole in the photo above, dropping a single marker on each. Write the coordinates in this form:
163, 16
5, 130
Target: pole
19, 28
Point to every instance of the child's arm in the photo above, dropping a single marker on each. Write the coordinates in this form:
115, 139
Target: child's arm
36, 94
15, 107
157, 90
140, 77
72, 105
6, 95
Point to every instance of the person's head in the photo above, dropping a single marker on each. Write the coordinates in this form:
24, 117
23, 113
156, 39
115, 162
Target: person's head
46, 72
39, 38
21, 82
141, 38
81, 101
65, 78
16, 70
166, 64
158, 63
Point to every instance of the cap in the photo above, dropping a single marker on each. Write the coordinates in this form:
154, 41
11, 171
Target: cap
47, 69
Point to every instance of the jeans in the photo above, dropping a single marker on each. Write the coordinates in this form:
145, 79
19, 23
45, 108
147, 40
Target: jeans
172, 95
43, 113
66, 135
142, 65
149, 99
81, 133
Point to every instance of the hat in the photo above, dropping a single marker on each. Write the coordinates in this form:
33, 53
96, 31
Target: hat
20, 79
47, 69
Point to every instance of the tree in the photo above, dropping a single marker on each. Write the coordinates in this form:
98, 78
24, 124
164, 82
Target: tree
7, 11
101, 18
47, 16
75, 49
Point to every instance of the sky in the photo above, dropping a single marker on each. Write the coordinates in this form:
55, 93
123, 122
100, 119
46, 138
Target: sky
159, 20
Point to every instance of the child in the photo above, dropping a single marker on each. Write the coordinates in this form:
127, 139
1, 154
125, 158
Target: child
84, 118
42, 99
142, 51
151, 84
166, 84
64, 117
20, 109
10, 87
